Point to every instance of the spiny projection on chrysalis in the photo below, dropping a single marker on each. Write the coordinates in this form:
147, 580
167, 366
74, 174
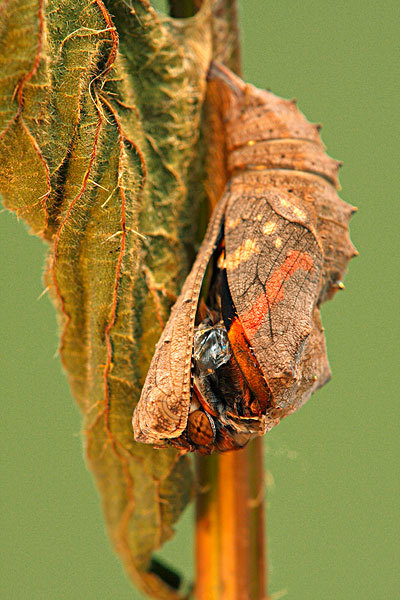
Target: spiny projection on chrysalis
244, 345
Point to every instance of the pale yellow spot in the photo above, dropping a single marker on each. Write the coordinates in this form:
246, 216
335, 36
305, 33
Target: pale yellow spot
299, 213
221, 262
251, 143
278, 242
285, 203
259, 217
243, 253
269, 228
232, 223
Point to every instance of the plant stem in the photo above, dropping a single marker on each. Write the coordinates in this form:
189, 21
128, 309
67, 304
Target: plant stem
229, 528
258, 558
234, 512
207, 528
230, 556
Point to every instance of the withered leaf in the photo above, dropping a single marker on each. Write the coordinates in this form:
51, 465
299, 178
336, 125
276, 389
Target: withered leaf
99, 124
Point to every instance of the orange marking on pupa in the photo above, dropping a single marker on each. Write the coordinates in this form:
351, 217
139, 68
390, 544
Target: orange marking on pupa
274, 291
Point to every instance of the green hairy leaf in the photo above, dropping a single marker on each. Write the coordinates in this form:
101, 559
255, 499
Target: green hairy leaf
99, 151
97, 142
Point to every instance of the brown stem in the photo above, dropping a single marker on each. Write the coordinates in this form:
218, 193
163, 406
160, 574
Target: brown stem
229, 528
258, 558
207, 528
234, 512
230, 556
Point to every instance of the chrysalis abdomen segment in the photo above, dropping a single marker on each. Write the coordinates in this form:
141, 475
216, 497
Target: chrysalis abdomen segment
271, 144
287, 154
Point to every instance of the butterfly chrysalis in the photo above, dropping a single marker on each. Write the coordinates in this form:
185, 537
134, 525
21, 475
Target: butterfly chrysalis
234, 360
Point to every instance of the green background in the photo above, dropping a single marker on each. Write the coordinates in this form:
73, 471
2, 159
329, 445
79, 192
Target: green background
332, 468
